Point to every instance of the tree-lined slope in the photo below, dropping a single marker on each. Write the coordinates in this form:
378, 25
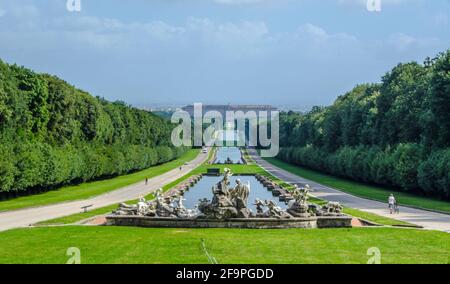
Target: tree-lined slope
396, 133
52, 134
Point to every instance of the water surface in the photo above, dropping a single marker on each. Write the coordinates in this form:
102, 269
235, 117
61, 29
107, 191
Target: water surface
223, 153
203, 189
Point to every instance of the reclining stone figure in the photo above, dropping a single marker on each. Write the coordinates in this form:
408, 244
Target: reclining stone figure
333, 209
142, 208
126, 210
275, 211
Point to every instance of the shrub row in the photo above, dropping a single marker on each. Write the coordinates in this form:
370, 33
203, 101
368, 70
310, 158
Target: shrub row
38, 166
405, 166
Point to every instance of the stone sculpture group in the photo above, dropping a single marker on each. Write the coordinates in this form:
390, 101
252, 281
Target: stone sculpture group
226, 203
159, 207
229, 203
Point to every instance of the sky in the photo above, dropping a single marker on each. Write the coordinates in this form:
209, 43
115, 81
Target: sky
280, 52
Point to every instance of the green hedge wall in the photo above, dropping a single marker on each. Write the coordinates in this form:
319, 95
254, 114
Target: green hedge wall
394, 133
52, 134
403, 167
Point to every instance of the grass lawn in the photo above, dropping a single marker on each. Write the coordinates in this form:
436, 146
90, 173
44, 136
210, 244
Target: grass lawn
247, 157
228, 246
91, 189
363, 190
381, 220
235, 169
75, 218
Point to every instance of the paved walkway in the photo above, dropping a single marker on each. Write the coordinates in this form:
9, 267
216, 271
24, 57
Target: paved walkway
26, 217
423, 218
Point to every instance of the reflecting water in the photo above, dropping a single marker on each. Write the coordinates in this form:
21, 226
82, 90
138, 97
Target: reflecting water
226, 136
224, 153
203, 189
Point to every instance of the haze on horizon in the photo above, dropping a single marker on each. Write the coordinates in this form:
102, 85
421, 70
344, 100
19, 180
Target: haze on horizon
299, 52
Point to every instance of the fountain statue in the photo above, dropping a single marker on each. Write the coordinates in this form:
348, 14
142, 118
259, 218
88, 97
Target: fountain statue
333, 209
259, 207
275, 211
230, 203
226, 203
142, 208
159, 208
298, 207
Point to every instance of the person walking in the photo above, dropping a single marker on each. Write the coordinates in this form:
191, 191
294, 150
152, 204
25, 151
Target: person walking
392, 203
146, 181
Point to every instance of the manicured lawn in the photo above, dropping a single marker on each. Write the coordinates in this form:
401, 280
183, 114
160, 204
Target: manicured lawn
143, 245
235, 169
91, 189
247, 157
376, 218
363, 190
75, 218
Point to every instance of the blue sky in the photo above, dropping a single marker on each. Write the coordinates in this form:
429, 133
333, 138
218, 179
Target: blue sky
292, 52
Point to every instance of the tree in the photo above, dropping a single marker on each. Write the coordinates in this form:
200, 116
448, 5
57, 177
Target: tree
386, 133
439, 99
52, 134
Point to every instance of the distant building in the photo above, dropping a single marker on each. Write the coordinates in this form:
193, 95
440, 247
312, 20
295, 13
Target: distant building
222, 109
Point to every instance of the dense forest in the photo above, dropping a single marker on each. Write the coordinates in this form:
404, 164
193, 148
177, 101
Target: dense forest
52, 134
395, 133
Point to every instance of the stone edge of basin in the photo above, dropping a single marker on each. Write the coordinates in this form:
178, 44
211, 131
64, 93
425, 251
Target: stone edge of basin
251, 223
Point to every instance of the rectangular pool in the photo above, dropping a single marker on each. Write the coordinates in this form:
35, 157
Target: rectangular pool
223, 153
203, 189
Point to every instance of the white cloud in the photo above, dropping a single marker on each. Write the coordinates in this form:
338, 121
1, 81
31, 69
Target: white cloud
313, 33
230, 39
231, 59
313, 30
403, 42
